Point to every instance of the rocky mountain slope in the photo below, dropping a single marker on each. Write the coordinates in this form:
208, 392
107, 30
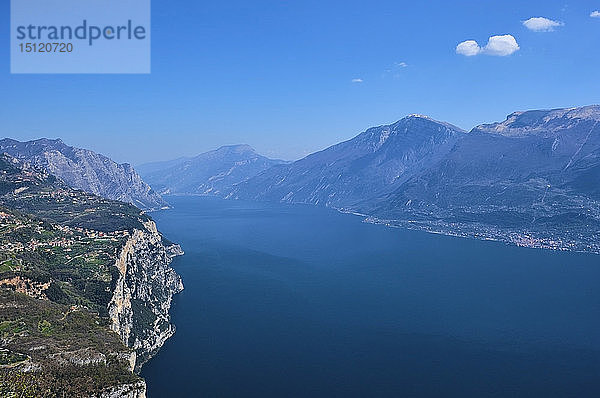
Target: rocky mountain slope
85, 288
345, 174
533, 179
536, 175
86, 170
211, 173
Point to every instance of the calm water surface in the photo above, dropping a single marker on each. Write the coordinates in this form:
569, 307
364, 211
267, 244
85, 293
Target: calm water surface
297, 301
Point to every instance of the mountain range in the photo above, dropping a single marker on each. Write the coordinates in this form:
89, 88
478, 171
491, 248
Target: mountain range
210, 173
531, 166
373, 163
532, 179
86, 170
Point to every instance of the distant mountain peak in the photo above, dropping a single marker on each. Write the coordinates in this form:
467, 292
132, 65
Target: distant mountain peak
209, 173
238, 148
372, 163
408, 122
34, 146
48, 141
55, 144
418, 116
584, 112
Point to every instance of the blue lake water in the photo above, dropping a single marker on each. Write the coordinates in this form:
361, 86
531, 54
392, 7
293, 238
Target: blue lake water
298, 301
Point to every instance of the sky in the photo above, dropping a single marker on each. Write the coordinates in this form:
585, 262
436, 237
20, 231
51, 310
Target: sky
293, 77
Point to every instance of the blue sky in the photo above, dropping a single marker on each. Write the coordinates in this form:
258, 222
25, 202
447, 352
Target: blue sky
278, 75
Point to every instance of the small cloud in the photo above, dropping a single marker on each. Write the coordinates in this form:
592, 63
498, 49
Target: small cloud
499, 46
357, 80
395, 70
595, 14
468, 48
541, 24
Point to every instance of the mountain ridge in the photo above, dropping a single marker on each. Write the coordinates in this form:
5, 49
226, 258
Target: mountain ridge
209, 173
534, 175
86, 170
521, 123
330, 176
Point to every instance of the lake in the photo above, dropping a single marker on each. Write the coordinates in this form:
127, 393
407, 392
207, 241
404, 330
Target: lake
298, 301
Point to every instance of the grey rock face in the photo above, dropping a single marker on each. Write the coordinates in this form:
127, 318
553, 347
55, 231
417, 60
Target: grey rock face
211, 173
133, 390
373, 163
142, 297
86, 170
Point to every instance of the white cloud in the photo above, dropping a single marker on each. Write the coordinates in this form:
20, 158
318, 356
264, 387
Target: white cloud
595, 14
500, 46
541, 24
468, 48
401, 64
357, 80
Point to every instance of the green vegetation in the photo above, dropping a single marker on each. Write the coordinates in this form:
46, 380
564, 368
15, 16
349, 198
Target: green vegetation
45, 327
78, 263
77, 353
144, 320
8, 357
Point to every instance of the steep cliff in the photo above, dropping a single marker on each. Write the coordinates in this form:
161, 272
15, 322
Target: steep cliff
139, 309
85, 289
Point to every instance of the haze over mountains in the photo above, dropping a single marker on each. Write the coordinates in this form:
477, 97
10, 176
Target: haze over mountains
86, 170
210, 173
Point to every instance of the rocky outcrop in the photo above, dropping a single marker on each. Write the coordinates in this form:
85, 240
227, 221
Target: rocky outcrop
49, 350
26, 286
139, 309
134, 390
